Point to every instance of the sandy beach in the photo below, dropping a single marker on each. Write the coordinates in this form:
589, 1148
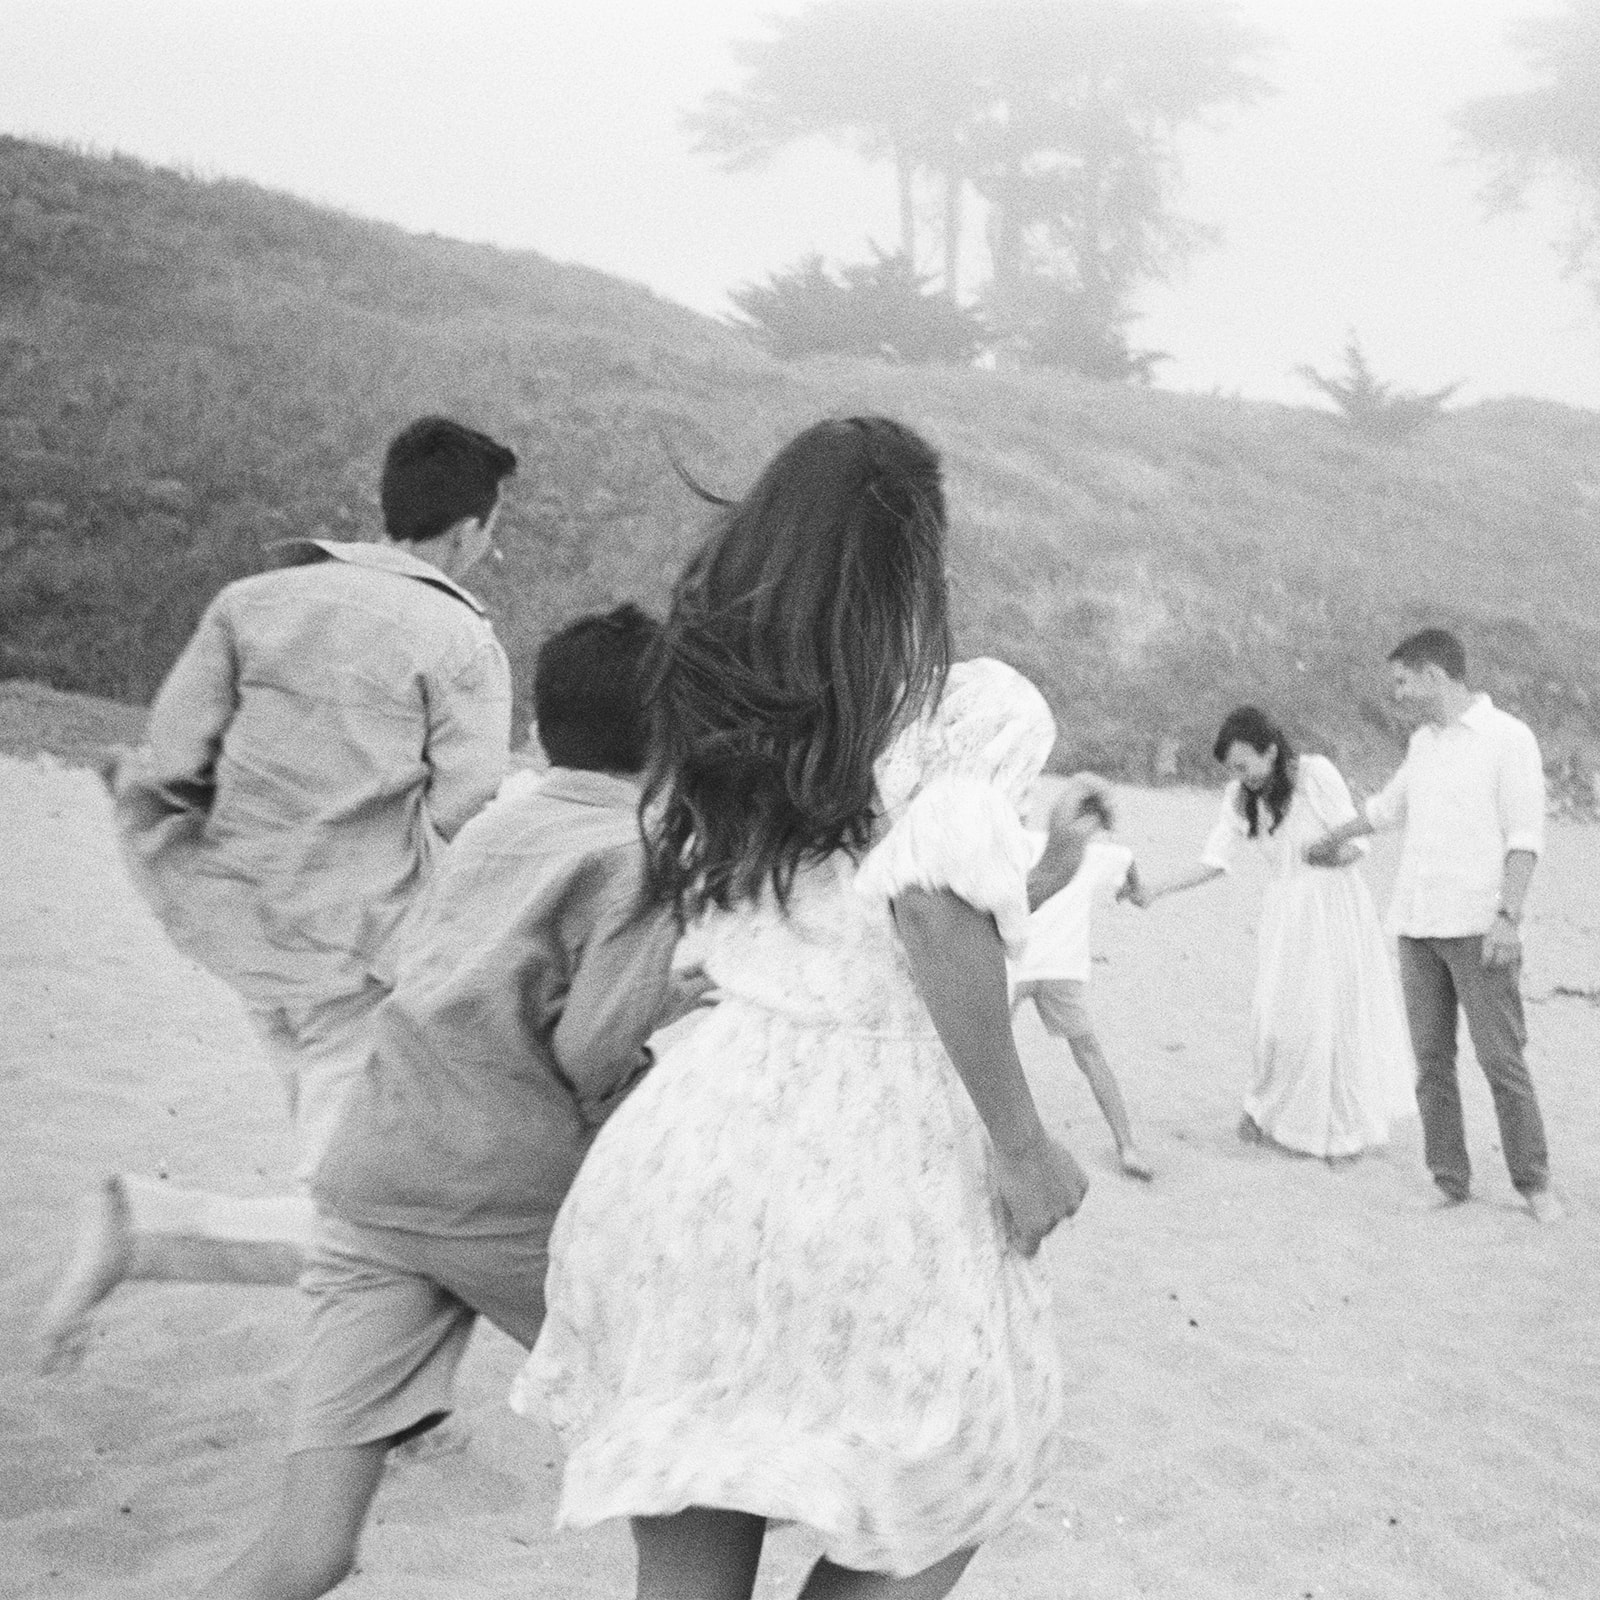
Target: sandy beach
1288, 1379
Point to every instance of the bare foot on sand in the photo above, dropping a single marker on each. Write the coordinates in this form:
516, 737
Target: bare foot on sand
1135, 1164
1544, 1207
101, 1256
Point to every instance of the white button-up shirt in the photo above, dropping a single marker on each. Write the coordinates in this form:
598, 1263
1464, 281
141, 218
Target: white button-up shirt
1466, 794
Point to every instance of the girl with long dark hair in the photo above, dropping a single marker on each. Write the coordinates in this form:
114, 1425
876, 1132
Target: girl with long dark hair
1332, 1064
795, 1278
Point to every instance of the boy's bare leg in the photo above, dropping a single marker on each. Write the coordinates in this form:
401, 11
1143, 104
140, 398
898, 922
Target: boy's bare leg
831, 1582
1092, 1062
132, 1227
310, 1543
703, 1553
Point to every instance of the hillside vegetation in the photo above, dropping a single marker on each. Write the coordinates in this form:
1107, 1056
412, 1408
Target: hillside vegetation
192, 370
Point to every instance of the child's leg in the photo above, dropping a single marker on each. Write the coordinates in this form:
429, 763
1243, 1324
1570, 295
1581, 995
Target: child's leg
136, 1228
1064, 1009
309, 1546
704, 1553
384, 1341
1091, 1059
831, 1582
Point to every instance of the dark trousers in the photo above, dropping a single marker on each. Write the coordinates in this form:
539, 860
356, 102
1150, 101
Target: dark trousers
1438, 975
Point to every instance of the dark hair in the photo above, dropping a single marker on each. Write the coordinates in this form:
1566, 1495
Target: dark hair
1436, 647
589, 689
437, 472
808, 625
1246, 725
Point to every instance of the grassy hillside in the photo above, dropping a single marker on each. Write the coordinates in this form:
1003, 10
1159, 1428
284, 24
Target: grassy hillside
191, 370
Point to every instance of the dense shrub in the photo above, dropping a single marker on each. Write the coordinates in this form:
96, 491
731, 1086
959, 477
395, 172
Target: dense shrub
880, 309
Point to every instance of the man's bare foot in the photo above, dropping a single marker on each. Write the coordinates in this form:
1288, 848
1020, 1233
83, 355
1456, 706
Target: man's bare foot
1134, 1163
101, 1256
1544, 1207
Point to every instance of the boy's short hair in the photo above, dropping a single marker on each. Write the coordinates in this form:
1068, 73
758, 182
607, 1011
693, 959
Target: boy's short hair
1435, 647
589, 691
438, 472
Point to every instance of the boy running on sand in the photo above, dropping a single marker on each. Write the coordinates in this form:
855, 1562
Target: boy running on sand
526, 991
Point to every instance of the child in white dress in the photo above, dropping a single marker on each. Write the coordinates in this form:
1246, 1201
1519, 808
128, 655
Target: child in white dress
796, 1277
1053, 969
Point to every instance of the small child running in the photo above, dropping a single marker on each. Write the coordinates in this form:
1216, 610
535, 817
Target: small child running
1053, 969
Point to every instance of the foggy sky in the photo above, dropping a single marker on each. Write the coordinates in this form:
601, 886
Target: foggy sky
1343, 202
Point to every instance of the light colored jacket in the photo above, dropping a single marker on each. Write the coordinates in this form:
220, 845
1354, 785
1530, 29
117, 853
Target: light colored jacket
328, 726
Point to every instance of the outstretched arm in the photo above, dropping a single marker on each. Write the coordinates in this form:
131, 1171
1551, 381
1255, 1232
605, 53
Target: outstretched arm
1332, 849
1080, 807
1144, 892
959, 964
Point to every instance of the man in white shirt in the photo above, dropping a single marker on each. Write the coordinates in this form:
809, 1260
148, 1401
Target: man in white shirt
1470, 797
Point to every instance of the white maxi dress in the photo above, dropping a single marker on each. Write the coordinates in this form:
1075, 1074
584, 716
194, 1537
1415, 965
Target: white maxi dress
781, 1282
1331, 1058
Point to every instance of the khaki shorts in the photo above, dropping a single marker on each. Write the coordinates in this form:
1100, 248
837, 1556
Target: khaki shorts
1062, 1003
390, 1316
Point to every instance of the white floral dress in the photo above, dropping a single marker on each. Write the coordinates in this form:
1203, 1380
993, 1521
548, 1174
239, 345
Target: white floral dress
781, 1282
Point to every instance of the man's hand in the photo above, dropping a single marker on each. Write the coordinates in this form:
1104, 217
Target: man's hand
1038, 1188
1324, 852
1502, 944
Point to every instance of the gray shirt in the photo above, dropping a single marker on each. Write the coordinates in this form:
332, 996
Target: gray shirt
530, 979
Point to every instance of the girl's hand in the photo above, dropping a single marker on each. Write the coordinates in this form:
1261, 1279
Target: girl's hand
1038, 1188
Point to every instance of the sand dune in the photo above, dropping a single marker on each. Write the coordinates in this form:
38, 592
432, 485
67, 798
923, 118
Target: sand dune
1289, 1379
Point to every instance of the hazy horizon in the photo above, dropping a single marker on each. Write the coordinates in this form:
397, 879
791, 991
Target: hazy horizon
1342, 201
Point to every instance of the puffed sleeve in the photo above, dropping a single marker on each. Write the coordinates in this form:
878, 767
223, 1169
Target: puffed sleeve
962, 834
1222, 842
1329, 797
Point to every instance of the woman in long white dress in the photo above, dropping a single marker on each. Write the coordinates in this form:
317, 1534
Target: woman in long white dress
795, 1279
1332, 1063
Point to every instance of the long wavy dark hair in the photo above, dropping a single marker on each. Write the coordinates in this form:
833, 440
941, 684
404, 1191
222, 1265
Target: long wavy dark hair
1246, 725
808, 627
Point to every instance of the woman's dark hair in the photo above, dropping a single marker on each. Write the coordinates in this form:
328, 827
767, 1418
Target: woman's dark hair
589, 682
811, 621
1255, 728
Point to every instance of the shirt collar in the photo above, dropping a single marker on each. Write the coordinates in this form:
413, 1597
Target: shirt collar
1479, 713
391, 558
591, 788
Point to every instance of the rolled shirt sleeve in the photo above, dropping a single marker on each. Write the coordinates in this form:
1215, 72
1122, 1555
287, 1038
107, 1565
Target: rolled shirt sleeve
1521, 793
1386, 810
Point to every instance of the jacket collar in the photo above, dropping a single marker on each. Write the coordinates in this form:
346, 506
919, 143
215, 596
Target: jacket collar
591, 788
392, 558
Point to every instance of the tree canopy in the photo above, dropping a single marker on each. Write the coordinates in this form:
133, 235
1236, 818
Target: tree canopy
1551, 129
1060, 114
